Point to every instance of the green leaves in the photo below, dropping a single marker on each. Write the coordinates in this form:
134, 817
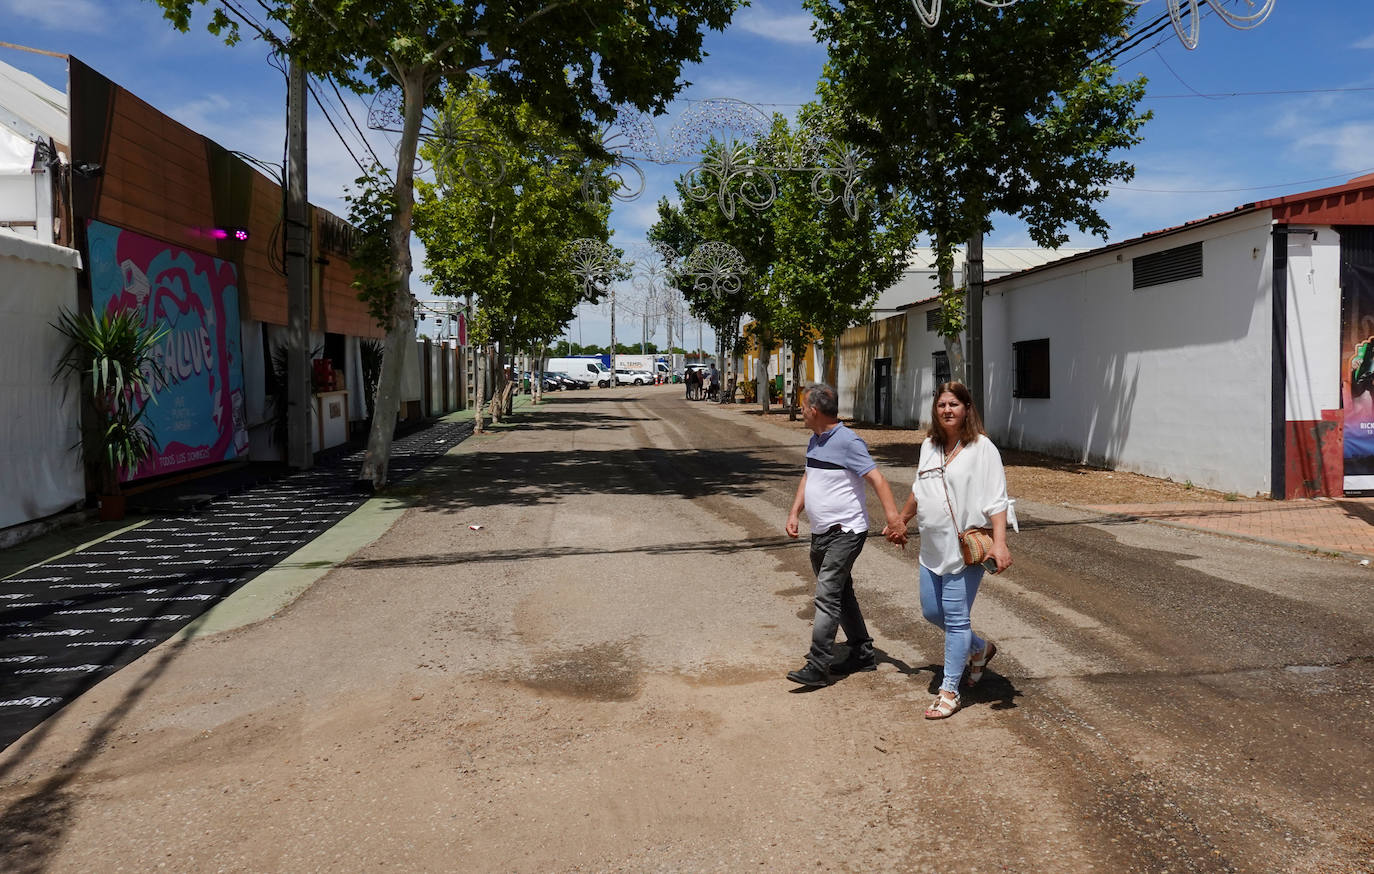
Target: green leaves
992, 111
506, 202
114, 356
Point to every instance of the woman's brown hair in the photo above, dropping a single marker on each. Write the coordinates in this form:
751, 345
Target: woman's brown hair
973, 423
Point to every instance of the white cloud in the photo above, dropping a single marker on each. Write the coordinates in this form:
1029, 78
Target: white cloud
794, 29
66, 15
1366, 43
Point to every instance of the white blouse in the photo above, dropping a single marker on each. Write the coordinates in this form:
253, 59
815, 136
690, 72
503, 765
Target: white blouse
977, 488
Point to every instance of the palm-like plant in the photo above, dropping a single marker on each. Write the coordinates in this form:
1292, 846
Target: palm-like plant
113, 356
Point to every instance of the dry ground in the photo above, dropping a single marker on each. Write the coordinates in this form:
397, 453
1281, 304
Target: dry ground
1030, 475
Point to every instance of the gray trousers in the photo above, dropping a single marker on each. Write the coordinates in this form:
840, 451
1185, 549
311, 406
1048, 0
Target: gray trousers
832, 558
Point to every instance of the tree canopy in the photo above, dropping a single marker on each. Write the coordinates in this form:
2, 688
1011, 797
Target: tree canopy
1010, 110
497, 221
577, 62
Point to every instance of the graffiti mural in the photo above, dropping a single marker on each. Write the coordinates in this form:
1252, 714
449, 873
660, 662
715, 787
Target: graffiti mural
198, 415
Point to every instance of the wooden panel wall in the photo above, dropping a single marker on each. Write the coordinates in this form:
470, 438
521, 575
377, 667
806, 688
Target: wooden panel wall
163, 180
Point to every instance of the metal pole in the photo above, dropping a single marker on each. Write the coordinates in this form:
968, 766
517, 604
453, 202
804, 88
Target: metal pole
297, 256
974, 277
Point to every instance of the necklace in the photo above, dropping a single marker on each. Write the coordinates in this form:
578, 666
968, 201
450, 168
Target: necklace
946, 459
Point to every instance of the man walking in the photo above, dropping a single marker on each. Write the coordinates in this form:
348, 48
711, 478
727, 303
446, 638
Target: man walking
832, 493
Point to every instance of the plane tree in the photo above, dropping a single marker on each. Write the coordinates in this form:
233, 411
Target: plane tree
510, 192
576, 61
1012, 110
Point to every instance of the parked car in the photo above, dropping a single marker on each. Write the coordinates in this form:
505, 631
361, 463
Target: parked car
552, 381
634, 377
574, 382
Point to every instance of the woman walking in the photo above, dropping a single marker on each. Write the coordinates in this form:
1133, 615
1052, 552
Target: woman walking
960, 484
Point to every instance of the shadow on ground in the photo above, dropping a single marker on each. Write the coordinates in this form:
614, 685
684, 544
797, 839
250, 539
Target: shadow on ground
531, 478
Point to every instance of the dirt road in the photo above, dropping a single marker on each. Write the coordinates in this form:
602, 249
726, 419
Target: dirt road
593, 681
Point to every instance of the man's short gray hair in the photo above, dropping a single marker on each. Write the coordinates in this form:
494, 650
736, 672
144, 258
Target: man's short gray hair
823, 399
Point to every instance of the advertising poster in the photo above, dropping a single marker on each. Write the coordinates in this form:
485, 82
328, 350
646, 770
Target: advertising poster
198, 417
1357, 377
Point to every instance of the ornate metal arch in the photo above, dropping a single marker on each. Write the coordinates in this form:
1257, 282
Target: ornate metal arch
715, 267
928, 11
593, 262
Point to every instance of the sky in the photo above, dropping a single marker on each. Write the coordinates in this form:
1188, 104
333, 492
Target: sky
1285, 107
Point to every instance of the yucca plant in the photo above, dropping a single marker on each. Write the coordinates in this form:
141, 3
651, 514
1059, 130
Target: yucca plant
113, 356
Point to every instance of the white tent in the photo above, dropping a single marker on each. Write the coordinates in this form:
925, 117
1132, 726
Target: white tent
31, 113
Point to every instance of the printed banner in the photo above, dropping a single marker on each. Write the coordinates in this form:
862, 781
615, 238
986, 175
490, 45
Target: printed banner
198, 417
1357, 376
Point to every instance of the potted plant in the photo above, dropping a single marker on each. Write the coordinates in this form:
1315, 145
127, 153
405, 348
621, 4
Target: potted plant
112, 355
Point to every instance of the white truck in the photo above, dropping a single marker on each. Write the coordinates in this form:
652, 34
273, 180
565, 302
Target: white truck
588, 370
661, 370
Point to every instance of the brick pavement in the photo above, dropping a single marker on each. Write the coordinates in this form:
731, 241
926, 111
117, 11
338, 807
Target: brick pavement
1328, 524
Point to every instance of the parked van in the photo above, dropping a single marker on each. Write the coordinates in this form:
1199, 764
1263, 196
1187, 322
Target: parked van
585, 369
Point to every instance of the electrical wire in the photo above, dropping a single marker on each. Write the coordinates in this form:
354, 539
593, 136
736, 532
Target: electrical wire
349, 112
337, 133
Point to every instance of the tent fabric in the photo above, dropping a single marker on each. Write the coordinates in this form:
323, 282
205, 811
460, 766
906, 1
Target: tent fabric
32, 108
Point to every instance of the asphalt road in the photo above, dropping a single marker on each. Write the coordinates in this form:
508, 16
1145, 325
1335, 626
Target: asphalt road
568, 655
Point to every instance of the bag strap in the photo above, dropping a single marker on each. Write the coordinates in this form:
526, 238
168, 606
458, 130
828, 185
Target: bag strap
944, 463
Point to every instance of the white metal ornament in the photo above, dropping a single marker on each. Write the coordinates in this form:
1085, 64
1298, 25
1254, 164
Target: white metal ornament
928, 11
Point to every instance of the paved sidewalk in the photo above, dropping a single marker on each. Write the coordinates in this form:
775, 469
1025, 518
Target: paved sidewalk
95, 598
1341, 525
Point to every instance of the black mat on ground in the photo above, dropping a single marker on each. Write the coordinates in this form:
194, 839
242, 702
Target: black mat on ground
68, 624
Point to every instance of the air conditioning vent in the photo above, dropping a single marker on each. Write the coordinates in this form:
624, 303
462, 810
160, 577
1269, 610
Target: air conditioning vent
1171, 265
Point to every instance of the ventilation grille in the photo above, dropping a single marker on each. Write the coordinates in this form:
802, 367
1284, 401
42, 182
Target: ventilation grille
933, 320
1171, 265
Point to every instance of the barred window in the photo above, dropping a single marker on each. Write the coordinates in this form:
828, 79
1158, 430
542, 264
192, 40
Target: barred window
942, 374
1032, 369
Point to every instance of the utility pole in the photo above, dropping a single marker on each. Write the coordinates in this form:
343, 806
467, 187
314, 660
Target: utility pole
299, 397
613, 334
974, 277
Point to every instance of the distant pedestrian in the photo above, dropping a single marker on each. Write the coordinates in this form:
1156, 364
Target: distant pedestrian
832, 494
713, 383
960, 485
693, 380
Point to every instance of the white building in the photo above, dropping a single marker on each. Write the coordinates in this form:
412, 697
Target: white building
1217, 352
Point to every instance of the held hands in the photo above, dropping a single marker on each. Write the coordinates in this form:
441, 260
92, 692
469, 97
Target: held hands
895, 531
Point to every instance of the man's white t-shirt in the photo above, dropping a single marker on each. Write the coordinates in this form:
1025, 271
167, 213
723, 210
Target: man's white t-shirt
836, 462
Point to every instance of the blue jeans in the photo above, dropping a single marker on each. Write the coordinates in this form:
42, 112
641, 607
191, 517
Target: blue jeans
833, 554
947, 602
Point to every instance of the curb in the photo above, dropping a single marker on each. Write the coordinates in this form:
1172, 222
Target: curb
1233, 535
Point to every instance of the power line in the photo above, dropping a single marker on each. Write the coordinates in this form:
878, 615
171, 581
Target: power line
349, 112
339, 111
335, 127
1346, 175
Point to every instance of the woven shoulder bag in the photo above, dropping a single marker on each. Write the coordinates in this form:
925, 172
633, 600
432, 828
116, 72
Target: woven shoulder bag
975, 544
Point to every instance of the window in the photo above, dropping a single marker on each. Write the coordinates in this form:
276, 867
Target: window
942, 374
933, 319
1032, 369
1171, 265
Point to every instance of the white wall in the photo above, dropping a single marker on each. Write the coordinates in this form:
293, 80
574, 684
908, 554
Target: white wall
1170, 381
40, 471
1314, 324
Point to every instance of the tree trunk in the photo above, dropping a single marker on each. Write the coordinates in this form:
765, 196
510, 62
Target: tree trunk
795, 404
498, 382
762, 387
400, 334
479, 367
954, 346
